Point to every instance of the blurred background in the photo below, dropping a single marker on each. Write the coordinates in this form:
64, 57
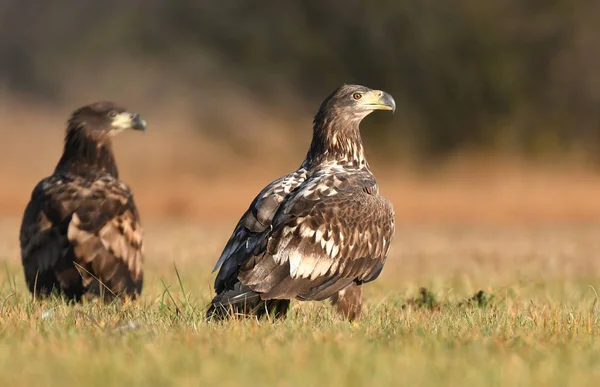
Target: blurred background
498, 115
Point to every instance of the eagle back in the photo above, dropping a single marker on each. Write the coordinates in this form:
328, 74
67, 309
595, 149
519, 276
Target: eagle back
250, 230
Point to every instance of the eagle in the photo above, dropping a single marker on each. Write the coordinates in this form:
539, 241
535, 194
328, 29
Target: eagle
317, 233
81, 233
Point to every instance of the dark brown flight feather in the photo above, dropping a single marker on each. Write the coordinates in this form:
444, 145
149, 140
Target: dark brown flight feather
81, 231
319, 232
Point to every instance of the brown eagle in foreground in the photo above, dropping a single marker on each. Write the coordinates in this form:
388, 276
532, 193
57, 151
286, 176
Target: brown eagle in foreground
81, 231
319, 232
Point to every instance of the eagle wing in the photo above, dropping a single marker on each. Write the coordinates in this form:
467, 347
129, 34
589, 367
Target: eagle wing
334, 230
76, 232
250, 229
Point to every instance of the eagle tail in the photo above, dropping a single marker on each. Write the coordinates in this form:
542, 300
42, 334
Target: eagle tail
241, 301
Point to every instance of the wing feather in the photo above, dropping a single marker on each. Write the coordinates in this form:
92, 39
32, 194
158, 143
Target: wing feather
334, 227
110, 239
78, 230
251, 230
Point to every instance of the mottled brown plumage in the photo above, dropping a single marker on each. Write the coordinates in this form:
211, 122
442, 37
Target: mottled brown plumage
348, 302
317, 233
81, 231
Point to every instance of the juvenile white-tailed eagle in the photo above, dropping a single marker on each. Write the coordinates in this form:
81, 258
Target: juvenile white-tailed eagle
81, 231
319, 232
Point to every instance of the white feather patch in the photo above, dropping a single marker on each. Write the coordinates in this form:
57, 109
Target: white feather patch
334, 251
321, 268
306, 266
329, 247
323, 243
295, 259
306, 231
318, 235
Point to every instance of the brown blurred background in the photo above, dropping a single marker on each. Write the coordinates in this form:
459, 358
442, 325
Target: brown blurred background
498, 115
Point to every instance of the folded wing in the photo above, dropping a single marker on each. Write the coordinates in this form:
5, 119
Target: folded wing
250, 230
333, 231
79, 235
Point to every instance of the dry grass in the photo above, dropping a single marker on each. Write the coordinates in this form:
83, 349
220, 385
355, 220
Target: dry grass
539, 325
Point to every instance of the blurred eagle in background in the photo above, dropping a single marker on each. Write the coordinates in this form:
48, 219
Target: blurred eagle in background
319, 232
81, 231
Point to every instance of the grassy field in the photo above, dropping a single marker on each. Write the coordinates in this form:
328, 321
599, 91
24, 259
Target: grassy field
536, 322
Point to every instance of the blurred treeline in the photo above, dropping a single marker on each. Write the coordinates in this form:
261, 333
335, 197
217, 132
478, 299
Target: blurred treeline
511, 75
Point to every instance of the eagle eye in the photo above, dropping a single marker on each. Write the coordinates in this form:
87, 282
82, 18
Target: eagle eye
112, 113
357, 96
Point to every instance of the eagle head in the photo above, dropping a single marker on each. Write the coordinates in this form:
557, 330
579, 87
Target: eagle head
336, 134
355, 102
102, 120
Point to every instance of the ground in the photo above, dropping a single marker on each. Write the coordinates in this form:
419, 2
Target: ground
534, 323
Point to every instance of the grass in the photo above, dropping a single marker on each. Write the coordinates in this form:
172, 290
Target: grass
535, 322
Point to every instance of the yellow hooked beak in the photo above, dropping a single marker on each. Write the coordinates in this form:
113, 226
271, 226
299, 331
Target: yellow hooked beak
378, 100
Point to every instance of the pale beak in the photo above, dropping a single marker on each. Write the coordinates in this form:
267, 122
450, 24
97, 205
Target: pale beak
127, 120
379, 100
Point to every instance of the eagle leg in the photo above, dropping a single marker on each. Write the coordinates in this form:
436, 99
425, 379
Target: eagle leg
348, 302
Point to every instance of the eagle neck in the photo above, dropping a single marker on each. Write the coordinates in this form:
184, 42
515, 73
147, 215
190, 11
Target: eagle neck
84, 154
336, 141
